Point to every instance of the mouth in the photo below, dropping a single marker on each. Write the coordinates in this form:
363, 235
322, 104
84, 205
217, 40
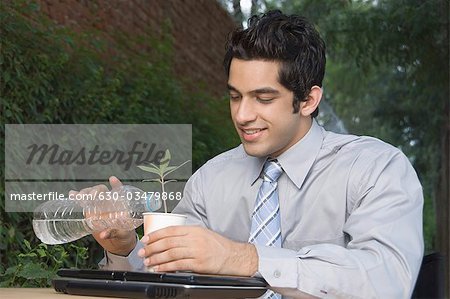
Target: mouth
251, 134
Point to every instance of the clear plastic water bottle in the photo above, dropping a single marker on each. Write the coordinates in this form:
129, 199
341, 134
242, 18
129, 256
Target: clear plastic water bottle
59, 222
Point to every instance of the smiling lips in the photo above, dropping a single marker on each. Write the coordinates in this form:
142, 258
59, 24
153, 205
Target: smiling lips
251, 134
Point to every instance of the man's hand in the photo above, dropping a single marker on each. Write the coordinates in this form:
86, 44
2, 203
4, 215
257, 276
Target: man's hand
193, 248
120, 242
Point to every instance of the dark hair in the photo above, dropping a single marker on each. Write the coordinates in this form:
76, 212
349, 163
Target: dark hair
292, 40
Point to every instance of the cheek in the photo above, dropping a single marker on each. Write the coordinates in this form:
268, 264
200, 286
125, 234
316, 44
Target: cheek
287, 126
232, 111
284, 116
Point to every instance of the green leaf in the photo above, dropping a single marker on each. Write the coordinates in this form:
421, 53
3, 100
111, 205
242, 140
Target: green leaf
12, 233
29, 254
164, 162
11, 270
169, 168
34, 271
41, 252
166, 159
27, 244
151, 180
64, 254
43, 245
157, 167
173, 168
149, 169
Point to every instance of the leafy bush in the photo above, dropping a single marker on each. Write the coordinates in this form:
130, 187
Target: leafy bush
39, 265
51, 74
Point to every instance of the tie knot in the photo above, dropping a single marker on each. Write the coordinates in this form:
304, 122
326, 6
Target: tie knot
272, 171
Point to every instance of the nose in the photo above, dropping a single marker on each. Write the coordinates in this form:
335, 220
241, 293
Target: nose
243, 111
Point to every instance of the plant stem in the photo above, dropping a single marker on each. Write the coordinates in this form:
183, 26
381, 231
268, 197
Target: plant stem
162, 189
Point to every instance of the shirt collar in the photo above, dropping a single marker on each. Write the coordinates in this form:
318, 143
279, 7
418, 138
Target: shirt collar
297, 160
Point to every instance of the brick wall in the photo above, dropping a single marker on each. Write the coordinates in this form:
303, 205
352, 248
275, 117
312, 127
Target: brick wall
199, 28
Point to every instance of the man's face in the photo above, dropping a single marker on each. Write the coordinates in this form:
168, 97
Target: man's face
261, 108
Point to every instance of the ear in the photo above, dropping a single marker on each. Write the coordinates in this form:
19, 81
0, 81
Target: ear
312, 102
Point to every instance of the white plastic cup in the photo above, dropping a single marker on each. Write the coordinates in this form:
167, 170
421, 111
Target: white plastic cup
156, 221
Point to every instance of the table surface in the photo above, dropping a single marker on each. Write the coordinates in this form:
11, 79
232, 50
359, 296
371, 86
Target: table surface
37, 293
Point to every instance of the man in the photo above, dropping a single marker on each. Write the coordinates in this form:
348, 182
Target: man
311, 211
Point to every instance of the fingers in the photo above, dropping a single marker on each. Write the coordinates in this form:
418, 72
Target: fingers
171, 255
175, 258
171, 231
84, 196
116, 241
115, 182
179, 265
106, 234
162, 245
114, 234
90, 190
171, 249
163, 239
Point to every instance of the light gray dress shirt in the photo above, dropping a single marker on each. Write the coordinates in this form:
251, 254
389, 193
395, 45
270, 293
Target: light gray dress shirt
351, 216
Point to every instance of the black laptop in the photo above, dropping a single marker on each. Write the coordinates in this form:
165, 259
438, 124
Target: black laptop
125, 284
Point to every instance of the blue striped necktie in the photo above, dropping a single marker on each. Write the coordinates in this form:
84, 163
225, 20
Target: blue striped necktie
266, 224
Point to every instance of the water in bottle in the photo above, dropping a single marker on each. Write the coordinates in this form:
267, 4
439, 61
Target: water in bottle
58, 222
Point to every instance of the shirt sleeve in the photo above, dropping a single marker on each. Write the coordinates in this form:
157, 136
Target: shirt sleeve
132, 262
383, 257
192, 204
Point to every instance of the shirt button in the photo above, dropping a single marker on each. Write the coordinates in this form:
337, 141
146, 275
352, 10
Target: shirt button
276, 274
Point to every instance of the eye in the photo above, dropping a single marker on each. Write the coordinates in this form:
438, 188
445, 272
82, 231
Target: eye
264, 100
234, 97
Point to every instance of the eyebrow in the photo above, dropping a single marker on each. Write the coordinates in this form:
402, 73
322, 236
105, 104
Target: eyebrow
262, 90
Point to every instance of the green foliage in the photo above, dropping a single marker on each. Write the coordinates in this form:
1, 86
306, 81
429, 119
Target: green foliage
429, 225
51, 74
38, 265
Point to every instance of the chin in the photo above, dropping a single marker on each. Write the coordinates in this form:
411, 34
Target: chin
255, 151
